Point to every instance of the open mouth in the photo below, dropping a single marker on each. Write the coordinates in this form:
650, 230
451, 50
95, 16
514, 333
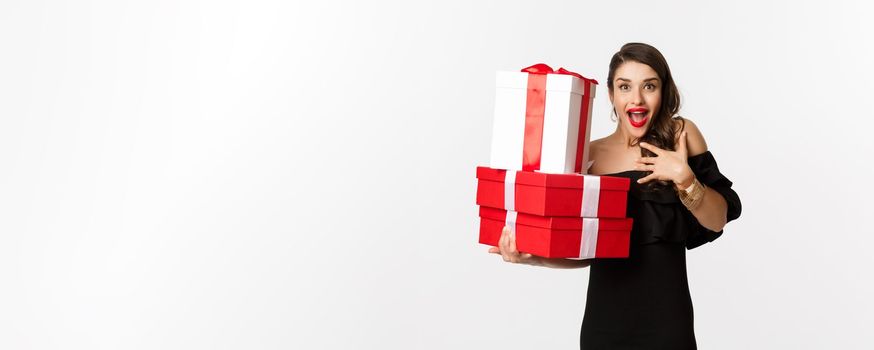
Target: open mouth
637, 117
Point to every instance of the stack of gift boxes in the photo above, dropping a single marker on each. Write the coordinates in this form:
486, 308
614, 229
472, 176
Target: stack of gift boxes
536, 182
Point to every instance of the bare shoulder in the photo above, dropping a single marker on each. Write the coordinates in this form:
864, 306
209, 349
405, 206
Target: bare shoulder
597, 148
596, 144
596, 154
695, 142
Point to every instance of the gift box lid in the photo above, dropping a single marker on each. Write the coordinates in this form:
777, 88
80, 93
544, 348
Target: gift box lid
554, 82
556, 222
533, 178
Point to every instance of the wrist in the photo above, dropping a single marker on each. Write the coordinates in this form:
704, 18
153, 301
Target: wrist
686, 179
693, 195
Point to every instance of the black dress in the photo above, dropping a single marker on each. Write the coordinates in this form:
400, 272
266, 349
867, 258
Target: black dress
643, 302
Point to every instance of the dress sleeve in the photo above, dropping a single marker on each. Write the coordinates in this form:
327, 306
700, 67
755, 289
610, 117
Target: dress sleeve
705, 169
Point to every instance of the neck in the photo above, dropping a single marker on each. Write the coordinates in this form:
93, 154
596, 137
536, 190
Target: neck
622, 136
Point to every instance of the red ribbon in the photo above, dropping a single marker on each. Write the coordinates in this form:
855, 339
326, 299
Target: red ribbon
567, 72
579, 167
540, 68
534, 110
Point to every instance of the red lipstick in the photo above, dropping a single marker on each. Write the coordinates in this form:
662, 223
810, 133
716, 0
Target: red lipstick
640, 113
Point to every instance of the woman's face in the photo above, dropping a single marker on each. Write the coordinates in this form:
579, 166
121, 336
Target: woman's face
636, 96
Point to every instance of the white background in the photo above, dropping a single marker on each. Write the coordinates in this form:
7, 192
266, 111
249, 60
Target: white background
284, 175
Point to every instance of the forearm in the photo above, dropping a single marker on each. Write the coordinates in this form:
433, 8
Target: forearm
712, 211
559, 263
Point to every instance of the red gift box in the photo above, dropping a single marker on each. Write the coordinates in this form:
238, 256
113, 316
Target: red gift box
553, 194
558, 237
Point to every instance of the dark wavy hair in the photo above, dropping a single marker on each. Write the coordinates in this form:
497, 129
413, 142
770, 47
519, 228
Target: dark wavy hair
662, 129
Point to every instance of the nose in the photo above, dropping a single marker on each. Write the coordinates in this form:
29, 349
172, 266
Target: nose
637, 97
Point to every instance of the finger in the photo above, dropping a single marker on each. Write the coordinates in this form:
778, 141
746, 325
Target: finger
647, 178
505, 236
645, 167
511, 251
654, 149
526, 256
495, 250
512, 242
502, 244
682, 147
516, 257
647, 160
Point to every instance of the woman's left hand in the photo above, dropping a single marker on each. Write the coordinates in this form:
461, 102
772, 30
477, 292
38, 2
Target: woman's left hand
668, 165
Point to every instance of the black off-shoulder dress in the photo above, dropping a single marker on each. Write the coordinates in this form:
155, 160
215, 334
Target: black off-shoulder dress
643, 302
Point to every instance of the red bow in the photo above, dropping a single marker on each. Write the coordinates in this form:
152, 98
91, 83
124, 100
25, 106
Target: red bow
542, 68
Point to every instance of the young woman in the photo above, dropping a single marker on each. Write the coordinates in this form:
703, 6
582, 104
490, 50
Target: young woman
678, 199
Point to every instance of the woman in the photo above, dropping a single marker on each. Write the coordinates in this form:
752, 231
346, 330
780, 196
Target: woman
678, 199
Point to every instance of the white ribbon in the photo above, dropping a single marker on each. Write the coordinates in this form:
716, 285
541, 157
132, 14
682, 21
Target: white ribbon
510, 199
589, 239
511, 220
591, 194
510, 190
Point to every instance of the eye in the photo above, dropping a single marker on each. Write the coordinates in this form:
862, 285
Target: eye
623, 87
649, 86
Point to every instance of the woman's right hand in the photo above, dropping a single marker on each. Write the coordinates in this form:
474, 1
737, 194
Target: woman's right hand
507, 249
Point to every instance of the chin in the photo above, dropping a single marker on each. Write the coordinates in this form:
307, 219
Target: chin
636, 132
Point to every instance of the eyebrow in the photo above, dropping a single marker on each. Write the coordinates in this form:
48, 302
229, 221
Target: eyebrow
645, 80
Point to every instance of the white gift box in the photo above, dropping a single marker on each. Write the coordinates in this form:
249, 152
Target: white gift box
542, 121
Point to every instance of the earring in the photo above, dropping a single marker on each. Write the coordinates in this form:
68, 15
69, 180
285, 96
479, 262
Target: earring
613, 115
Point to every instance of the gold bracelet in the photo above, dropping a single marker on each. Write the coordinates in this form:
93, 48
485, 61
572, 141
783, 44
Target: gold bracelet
692, 198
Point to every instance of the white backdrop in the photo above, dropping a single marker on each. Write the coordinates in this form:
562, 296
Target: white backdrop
283, 175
